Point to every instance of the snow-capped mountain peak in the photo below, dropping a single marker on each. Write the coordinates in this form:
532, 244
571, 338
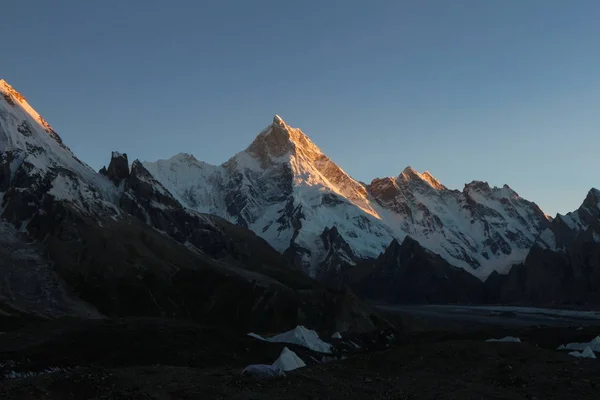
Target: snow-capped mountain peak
33, 154
587, 215
411, 175
16, 99
280, 140
273, 143
281, 144
6, 88
592, 201
286, 190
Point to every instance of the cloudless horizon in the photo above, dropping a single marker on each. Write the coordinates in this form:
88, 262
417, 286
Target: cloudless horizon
506, 92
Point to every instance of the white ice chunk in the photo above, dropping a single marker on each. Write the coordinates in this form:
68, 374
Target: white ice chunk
586, 353
593, 344
300, 336
255, 336
288, 360
336, 336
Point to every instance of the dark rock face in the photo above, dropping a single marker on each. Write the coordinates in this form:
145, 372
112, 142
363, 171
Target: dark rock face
126, 268
136, 271
118, 169
551, 278
338, 256
7, 158
271, 186
146, 190
407, 273
25, 190
589, 212
563, 267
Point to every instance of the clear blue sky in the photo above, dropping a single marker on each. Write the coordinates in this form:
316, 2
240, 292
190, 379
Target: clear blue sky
502, 91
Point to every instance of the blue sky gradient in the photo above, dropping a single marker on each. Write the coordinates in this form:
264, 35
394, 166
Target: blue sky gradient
500, 91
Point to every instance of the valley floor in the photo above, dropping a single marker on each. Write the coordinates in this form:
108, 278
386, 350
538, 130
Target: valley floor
165, 359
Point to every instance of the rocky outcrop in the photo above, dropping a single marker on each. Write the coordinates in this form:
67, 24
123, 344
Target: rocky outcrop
126, 268
563, 266
118, 169
408, 273
338, 257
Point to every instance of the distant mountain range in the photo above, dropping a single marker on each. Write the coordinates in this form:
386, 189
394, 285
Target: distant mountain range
179, 236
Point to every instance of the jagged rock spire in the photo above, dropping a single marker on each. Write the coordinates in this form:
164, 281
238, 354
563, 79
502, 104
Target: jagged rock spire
118, 169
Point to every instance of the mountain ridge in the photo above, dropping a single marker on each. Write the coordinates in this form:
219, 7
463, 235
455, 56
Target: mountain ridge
563, 266
76, 242
292, 207
284, 180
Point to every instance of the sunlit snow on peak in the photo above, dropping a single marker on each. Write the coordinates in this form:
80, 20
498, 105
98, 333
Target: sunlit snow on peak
277, 120
410, 173
286, 190
39, 151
